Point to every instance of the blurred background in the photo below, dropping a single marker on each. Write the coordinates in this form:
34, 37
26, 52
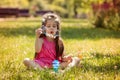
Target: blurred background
102, 12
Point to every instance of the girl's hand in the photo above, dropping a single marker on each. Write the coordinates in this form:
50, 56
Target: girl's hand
69, 58
38, 32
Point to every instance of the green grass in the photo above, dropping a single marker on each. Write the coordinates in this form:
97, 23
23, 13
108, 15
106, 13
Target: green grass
100, 49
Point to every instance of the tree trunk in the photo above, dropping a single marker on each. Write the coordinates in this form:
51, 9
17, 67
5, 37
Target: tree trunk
75, 10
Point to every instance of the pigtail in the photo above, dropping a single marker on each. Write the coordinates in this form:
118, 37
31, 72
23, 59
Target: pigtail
59, 48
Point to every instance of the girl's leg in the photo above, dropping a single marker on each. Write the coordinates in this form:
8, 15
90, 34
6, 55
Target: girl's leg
31, 64
63, 65
75, 62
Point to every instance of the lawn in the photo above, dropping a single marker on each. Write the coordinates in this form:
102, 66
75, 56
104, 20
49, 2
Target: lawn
100, 49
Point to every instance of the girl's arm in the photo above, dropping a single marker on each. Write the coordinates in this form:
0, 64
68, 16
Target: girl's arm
38, 41
38, 44
64, 58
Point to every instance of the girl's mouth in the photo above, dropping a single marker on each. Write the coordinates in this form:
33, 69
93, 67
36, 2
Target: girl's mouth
51, 32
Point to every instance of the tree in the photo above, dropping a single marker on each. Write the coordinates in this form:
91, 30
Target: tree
108, 15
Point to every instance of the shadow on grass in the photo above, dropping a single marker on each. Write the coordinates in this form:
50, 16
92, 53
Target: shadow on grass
67, 32
28, 31
108, 63
88, 33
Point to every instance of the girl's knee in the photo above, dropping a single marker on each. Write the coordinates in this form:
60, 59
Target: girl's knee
26, 61
76, 60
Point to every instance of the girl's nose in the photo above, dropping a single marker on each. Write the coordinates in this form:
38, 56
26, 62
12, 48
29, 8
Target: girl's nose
51, 27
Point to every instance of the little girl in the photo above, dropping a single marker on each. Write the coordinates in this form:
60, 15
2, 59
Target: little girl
49, 45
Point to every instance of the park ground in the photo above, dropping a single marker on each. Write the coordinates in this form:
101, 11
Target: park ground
100, 50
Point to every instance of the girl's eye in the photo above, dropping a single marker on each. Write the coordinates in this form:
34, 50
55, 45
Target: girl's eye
54, 26
48, 26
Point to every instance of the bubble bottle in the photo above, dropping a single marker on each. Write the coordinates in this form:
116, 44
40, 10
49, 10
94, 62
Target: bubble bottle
55, 65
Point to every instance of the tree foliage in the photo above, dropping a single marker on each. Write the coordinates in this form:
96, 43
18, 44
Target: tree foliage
14, 3
66, 8
108, 15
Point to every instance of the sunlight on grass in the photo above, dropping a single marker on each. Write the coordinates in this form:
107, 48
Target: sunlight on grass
100, 49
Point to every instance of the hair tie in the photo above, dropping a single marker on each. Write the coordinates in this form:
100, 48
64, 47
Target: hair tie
49, 17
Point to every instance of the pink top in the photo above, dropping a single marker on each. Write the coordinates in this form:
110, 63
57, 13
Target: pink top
47, 54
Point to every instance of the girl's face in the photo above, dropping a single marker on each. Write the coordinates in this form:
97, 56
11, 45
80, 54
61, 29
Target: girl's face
51, 27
